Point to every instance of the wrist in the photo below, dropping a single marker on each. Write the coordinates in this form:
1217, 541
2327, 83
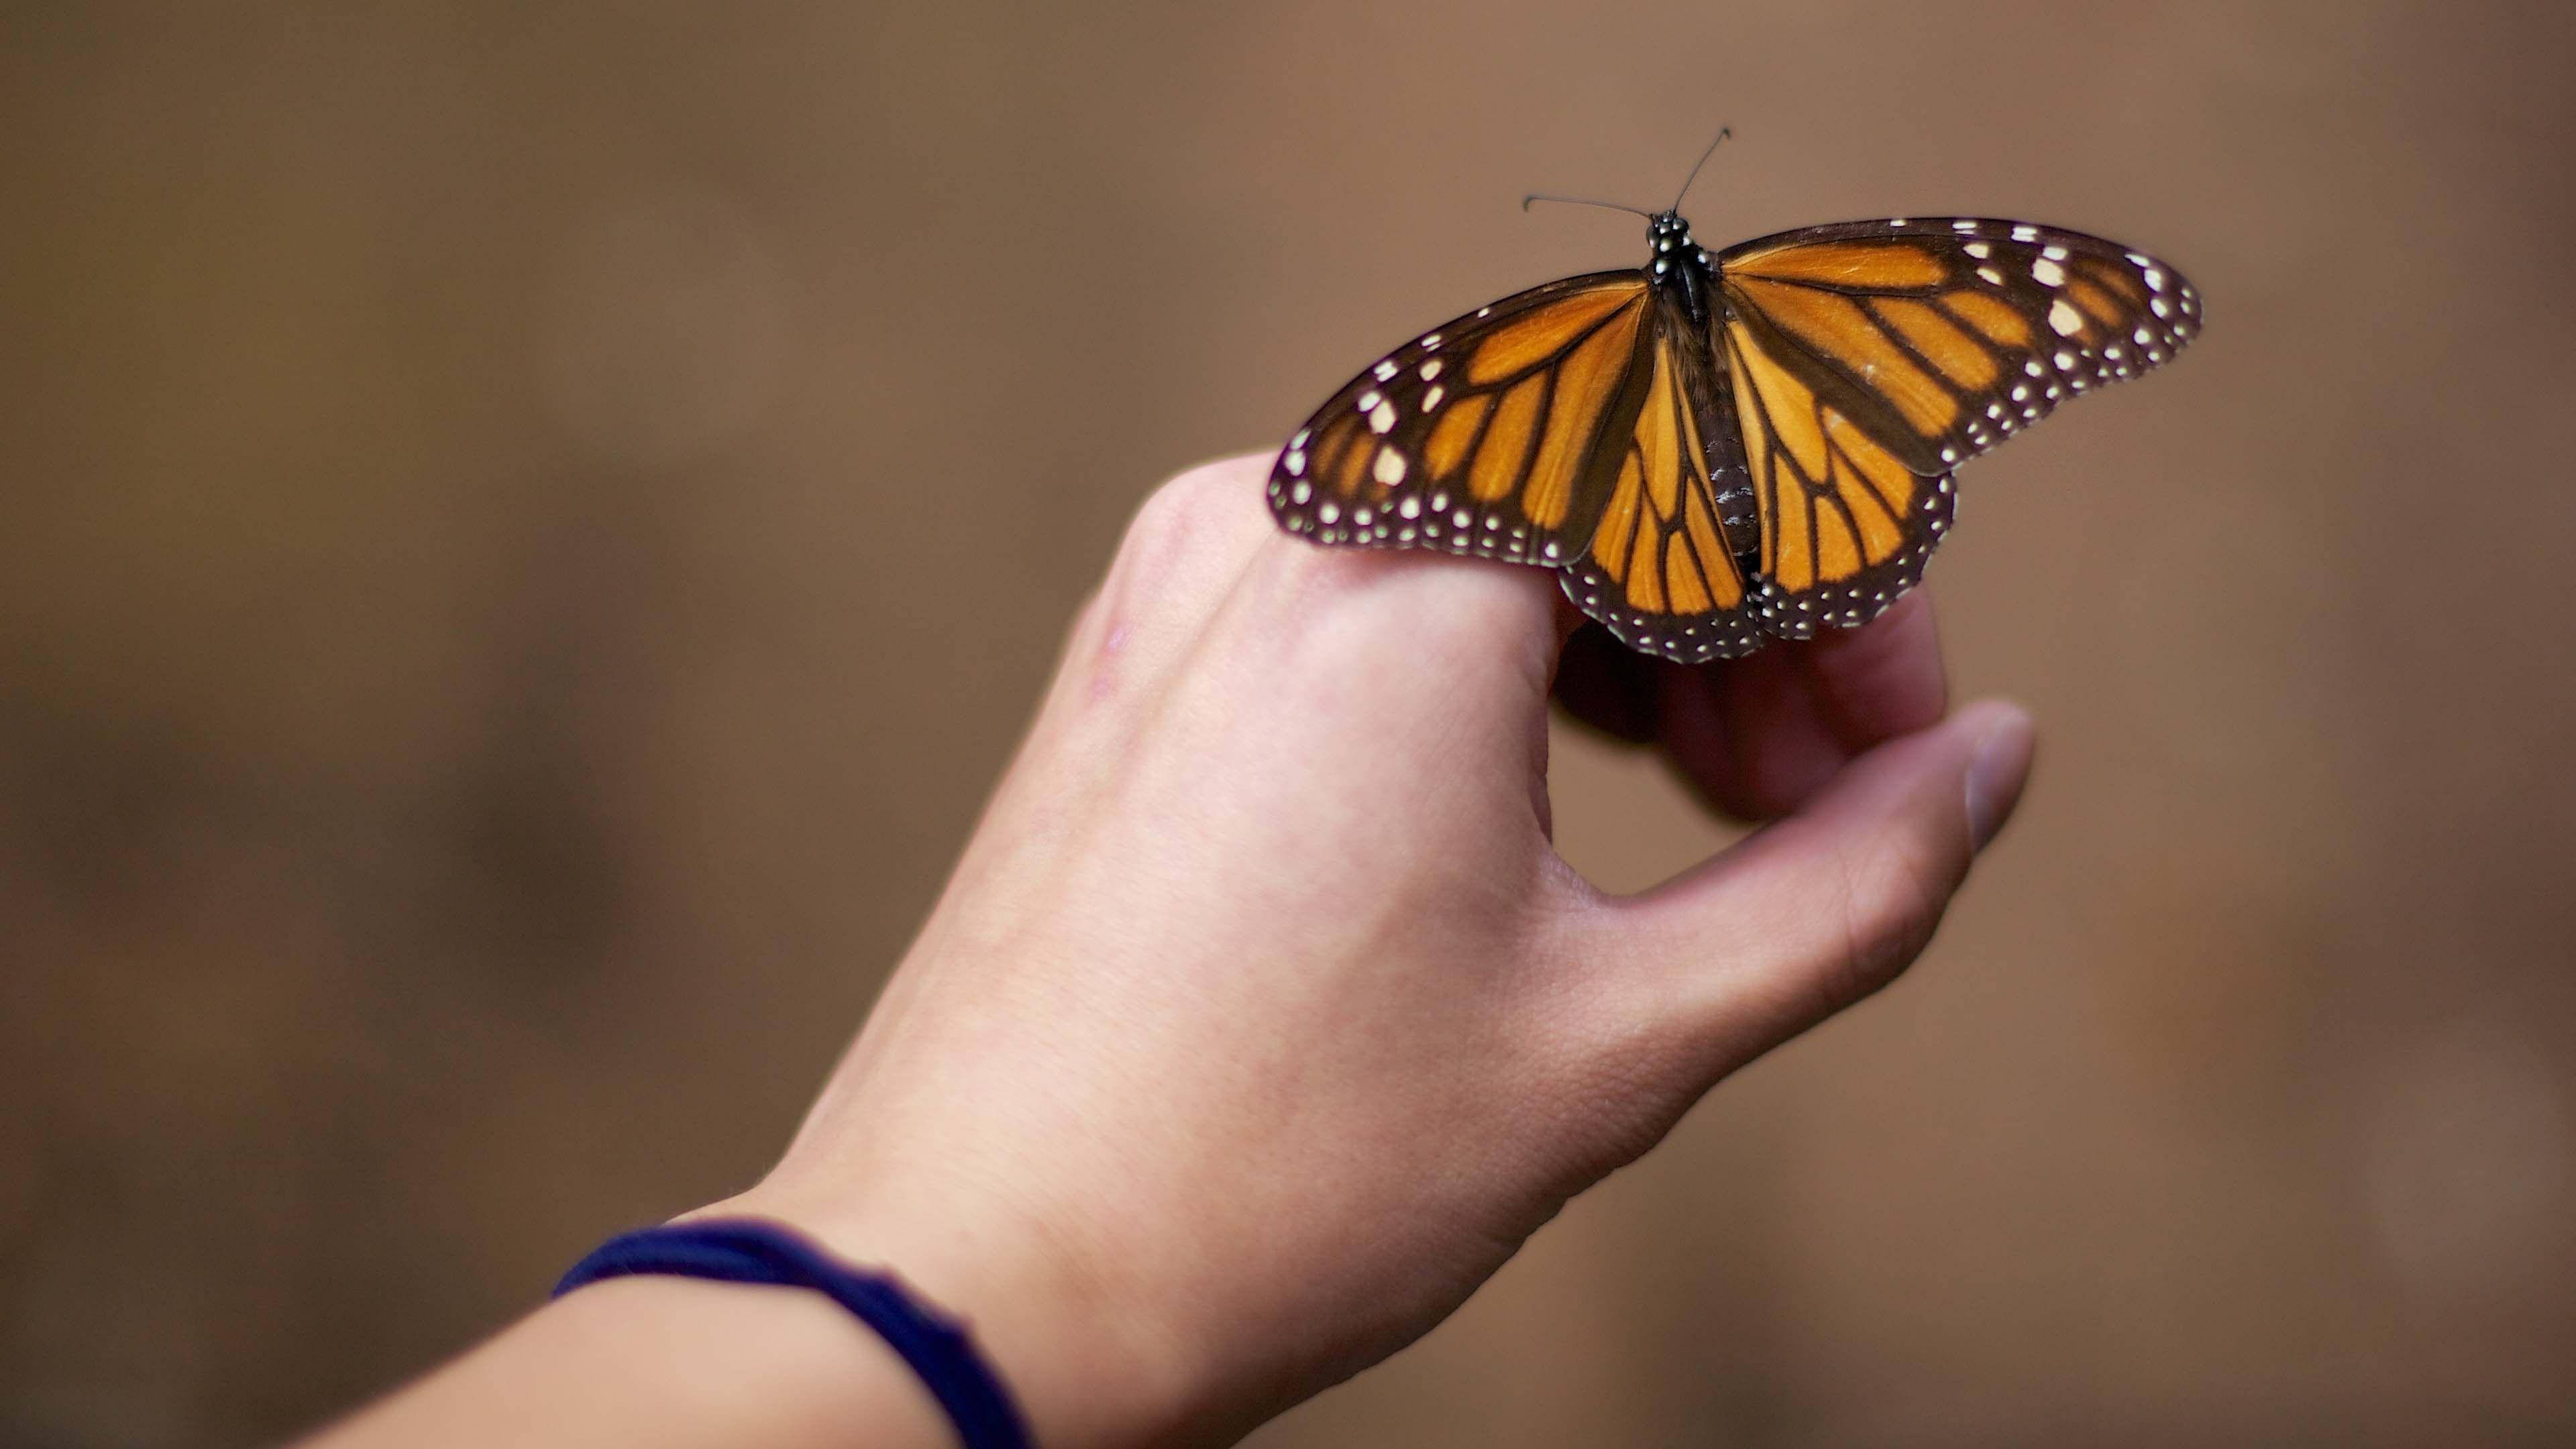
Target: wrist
1086, 1366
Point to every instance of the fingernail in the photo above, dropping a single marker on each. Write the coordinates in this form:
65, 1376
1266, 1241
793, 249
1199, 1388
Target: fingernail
1996, 772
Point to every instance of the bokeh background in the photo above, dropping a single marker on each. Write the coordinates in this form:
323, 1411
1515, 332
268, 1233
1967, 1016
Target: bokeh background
528, 532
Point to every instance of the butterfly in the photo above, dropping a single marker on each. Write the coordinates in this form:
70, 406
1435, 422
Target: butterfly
1718, 449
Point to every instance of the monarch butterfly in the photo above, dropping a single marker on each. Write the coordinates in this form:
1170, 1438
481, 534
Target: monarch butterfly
1722, 448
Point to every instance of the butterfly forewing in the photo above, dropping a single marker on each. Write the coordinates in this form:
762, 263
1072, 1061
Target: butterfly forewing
1477, 436
1870, 358
1945, 336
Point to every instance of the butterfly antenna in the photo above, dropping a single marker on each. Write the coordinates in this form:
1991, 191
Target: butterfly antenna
1580, 201
1722, 133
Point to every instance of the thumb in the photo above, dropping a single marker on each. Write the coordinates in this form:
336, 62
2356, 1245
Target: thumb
1818, 910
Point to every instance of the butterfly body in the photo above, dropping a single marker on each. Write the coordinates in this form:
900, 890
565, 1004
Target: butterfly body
1685, 278
1720, 449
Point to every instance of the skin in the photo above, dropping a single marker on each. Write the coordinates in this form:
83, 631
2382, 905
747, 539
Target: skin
1261, 1022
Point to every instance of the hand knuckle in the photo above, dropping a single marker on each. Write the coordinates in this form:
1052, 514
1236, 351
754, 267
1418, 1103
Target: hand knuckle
1169, 515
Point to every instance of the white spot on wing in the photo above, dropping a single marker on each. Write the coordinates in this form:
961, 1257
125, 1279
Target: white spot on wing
2064, 319
1389, 468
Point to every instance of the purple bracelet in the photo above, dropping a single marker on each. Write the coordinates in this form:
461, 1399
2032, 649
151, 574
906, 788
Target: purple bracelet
743, 1250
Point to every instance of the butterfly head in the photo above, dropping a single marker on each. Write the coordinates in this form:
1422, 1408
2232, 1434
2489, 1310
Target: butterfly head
1676, 252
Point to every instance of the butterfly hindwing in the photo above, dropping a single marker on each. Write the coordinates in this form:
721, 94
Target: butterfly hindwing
1480, 437
1659, 572
1846, 526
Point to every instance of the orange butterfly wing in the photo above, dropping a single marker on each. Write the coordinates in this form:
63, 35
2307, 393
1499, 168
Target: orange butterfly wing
1484, 436
1870, 358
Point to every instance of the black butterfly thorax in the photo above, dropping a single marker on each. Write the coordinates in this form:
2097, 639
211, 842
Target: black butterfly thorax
1689, 304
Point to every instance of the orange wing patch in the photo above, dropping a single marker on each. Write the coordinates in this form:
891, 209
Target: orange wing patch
2118, 279
1586, 383
1689, 581
1452, 435
1992, 316
1545, 332
1341, 455
1961, 358
1834, 326
1610, 542
1867, 264
1497, 469
2095, 301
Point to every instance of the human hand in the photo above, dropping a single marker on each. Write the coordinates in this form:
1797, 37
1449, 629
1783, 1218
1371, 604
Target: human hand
1260, 1022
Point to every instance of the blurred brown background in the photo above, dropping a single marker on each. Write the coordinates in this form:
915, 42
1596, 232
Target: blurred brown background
482, 701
